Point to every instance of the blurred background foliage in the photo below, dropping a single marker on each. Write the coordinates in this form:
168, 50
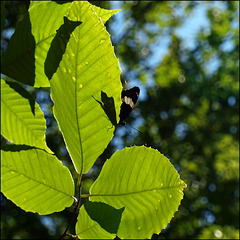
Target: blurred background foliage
184, 56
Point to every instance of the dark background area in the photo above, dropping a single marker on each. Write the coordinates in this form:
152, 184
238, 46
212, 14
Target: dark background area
188, 109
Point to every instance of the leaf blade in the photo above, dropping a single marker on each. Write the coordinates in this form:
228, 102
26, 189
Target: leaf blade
146, 184
86, 228
27, 180
22, 121
98, 219
28, 47
90, 70
104, 14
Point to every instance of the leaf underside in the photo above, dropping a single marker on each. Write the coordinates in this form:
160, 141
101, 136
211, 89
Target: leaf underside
36, 181
22, 121
88, 70
145, 183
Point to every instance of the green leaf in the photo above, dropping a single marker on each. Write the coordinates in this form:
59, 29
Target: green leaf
58, 46
18, 61
35, 181
86, 88
98, 219
26, 55
104, 14
22, 121
144, 182
27, 50
86, 228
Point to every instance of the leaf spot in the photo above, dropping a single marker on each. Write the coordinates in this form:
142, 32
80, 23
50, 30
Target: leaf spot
102, 41
74, 79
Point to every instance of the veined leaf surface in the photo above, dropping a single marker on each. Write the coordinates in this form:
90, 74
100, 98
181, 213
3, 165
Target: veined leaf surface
27, 50
144, 182
104, 14
104, 216
22, 121
88, 78
35, 180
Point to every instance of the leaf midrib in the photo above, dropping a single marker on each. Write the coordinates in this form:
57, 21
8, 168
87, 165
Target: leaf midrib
76, 104
41, 183
136, 192
31, 130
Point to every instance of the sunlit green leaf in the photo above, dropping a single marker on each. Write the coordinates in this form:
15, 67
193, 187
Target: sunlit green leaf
29, 45
104, 14
98, 220
22, 121
144, 182
28, 48
35, 180
87, 80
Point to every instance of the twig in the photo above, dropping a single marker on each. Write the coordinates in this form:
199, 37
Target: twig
74, 213
73, 236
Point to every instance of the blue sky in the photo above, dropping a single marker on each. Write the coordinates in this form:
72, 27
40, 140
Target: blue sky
188, 31
196, 21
